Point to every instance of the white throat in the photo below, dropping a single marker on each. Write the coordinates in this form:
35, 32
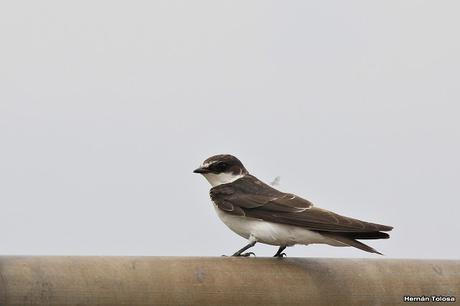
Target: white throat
221, 178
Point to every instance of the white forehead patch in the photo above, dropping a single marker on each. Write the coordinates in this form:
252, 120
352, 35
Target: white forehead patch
205, 165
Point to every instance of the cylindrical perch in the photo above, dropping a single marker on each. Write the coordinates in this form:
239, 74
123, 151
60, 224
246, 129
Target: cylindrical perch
57, 280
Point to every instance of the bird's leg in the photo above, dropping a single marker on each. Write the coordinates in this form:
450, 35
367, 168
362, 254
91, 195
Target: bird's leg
240, 251
279, 252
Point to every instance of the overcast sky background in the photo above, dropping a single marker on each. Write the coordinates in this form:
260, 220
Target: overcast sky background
106, 107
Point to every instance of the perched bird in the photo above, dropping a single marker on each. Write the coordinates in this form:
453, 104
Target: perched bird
260, 213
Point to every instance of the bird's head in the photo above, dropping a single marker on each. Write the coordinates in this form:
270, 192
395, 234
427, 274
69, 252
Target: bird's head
222, 169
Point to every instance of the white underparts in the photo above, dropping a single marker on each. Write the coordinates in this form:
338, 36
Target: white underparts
272, 233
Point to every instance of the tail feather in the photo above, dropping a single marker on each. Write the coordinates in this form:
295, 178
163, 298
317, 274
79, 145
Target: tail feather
366, 235
354, 243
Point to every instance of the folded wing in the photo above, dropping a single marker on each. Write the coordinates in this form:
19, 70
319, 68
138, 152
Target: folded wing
252, 198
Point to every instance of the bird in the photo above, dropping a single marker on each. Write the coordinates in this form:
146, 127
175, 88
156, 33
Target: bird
262, 214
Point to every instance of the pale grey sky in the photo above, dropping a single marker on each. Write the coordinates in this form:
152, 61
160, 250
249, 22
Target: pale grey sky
106, 107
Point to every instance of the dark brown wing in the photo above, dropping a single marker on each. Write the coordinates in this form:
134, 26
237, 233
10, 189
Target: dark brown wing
250, 197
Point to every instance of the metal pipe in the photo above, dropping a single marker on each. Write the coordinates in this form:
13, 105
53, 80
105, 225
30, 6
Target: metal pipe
59, 280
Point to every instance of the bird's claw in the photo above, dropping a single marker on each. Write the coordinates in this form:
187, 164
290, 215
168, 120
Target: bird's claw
280, 255
248, 254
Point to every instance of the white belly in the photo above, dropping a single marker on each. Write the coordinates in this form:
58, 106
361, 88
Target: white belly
272, 233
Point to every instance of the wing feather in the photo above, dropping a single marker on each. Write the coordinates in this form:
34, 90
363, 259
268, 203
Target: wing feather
250, 197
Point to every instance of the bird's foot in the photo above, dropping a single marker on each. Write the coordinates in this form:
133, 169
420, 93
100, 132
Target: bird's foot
281, 255
248, 254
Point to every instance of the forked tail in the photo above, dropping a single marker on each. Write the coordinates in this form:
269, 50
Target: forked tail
354, 243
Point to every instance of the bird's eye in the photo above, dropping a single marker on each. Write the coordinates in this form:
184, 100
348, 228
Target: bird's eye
221, 166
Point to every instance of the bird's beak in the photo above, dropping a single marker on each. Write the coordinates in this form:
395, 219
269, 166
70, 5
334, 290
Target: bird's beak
201, 170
